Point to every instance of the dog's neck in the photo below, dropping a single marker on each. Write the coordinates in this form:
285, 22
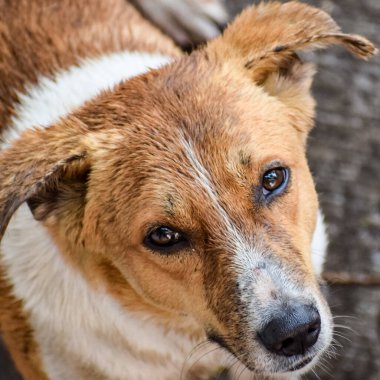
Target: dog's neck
52, 98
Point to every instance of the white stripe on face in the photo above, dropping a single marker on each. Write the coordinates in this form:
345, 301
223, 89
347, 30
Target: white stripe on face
259, 273
203, 178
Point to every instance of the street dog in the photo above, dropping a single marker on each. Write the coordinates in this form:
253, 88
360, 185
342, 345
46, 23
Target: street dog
157, 214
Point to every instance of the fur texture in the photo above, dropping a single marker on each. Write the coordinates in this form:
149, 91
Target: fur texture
185, 145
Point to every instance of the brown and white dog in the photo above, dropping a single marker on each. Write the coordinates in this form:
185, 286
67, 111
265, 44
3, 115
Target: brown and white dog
151, 202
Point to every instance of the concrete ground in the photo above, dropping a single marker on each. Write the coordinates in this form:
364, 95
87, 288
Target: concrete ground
344, 152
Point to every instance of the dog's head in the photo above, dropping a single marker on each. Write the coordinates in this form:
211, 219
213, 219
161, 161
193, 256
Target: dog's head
186, 190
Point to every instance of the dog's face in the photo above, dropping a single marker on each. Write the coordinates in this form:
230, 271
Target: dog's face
187, 192
216, 221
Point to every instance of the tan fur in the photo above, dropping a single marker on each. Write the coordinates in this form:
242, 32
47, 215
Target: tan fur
42, 37
102, 176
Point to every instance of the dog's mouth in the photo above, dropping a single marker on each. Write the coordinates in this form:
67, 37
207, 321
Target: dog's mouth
212, 337
300, 365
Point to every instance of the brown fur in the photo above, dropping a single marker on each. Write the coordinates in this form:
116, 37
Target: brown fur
100, 167
41, 37
38, 38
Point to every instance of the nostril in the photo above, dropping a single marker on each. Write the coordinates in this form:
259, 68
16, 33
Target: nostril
314, 328
293, 331
288, 342
311, 330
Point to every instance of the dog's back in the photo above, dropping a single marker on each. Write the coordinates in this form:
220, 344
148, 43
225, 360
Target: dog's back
39, 38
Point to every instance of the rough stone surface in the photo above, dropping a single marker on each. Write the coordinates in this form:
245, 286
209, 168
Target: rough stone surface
344, 152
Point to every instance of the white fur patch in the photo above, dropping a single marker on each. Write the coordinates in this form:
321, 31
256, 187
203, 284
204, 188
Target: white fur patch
52, 98
201, 175
319, 244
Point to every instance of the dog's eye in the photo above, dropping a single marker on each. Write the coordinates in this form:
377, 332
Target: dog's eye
274, 179
164, 238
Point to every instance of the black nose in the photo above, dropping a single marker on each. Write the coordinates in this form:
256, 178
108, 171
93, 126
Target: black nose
292, 332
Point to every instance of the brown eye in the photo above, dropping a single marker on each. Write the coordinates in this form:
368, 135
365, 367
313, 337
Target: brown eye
164, 238
274, 179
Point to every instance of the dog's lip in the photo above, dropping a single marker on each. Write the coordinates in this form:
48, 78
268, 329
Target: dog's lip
301, 364
212, 337
215, 338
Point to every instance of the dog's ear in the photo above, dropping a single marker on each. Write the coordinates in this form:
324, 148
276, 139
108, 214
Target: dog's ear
46, 168
264, 41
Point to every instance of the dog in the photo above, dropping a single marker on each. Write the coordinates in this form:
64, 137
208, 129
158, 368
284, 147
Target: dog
157, 214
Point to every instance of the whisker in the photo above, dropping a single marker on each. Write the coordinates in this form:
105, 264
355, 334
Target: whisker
339, 326
345, 316
237, 365
204, 355
332, 352
192, 353
342, 336
324, 367
242, 371
315, 374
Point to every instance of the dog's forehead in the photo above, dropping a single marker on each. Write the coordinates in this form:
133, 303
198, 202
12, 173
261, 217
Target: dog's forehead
215, 108
196, 131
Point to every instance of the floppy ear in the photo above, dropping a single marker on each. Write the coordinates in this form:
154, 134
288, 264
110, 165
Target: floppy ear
45, 167
265, 38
